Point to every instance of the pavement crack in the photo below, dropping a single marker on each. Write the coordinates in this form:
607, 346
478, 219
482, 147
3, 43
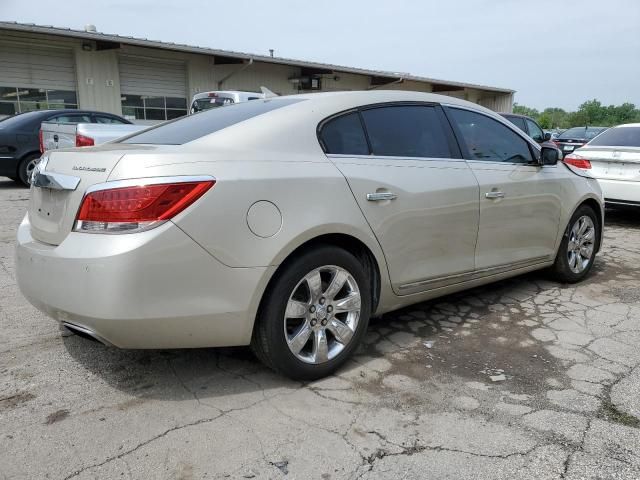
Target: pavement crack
143, 444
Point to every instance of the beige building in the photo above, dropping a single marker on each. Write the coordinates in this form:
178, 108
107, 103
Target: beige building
149, 80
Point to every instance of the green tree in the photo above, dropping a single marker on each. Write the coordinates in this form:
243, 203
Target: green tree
522, 110
590, 113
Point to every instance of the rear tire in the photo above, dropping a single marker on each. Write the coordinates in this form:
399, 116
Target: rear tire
26, 168
314, 315
577, 250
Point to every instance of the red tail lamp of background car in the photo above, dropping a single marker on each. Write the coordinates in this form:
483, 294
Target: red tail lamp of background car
82, 141
136, 208
577, 161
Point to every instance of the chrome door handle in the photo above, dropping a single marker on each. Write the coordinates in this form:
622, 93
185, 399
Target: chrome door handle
380, 196
494, 195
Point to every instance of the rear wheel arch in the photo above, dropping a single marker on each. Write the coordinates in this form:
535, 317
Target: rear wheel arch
347, 242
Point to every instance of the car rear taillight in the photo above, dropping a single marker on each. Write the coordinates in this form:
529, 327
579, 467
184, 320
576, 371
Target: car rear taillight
577, 161
40, 141
82, 141
135, 208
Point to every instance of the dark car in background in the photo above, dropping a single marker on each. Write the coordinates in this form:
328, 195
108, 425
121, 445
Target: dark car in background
20, 143
576, 137
529, 126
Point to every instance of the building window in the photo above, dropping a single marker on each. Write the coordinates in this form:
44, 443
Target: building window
147, 107
17, 100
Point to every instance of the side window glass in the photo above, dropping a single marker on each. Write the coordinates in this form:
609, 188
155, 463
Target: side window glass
344, 135
489, 140
535, 132
105, 119
72, 118
518, 122
406, 131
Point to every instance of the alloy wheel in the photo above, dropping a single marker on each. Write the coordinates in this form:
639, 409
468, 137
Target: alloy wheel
322, 314
581, 244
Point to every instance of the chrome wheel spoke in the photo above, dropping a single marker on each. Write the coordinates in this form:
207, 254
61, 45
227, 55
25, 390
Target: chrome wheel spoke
583, 226
314, 282
588, 236
586, 251
320, 347
341, 331
296, 309
573, 260
337, 282
348, 304
300, 339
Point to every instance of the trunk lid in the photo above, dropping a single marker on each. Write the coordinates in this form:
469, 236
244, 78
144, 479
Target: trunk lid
613, 163
52, 211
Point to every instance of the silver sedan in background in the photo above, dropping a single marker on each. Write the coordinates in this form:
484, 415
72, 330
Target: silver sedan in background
613, 157
285, 223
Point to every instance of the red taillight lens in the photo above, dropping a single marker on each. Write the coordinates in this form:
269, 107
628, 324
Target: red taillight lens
577, 161
82, 141
40, 141
137, 208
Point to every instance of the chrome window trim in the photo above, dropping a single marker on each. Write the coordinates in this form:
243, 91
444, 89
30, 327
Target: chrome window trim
389, 157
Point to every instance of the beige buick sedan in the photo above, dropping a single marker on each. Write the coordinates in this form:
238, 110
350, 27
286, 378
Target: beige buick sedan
285, 223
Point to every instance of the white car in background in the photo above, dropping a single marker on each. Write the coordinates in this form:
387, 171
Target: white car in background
285, 223
613, 157
206, 100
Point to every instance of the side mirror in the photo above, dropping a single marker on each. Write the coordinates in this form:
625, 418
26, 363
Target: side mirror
549, 156
547, 137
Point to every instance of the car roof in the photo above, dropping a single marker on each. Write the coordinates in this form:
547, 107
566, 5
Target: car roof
506, 114
624, 125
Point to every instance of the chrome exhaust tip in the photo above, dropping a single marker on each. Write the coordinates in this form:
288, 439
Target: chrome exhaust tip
85, 332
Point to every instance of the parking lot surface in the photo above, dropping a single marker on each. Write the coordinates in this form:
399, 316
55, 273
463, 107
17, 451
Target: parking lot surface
525, 378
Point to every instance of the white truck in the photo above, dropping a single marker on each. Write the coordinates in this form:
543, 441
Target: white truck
55, 135
220, 98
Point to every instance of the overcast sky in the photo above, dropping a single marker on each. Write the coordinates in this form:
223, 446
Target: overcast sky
552, 52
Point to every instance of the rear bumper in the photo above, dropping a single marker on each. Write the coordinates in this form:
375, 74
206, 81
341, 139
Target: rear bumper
620, 192
154, 289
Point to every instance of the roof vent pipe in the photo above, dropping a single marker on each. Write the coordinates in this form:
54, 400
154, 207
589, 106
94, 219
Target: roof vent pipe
90, 28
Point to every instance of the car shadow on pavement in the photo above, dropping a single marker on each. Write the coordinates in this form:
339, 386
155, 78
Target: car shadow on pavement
8, 184
473, 335
627, 217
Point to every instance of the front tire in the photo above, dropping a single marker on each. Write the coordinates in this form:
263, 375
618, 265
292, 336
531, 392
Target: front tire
577, 250
314, 315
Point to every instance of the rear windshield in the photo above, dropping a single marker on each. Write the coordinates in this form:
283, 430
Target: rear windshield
581, 132
618, 137
19, 120
187, 129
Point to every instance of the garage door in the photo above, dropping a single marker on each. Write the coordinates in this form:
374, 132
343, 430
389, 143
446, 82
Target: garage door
152, 90
36, 77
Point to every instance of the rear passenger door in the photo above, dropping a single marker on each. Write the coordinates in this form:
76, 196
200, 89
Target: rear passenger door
417, 193
520, 201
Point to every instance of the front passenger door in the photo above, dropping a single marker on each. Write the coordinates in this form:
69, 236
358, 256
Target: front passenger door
520, 201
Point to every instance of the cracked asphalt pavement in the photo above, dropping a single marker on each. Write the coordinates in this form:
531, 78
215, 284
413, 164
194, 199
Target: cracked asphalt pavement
521, 379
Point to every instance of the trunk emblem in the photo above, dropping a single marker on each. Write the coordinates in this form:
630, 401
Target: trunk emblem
88, 169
